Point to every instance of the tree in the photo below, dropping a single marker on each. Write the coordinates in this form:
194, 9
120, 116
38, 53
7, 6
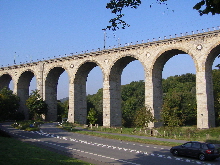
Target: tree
117, 6
9, 105
62, 109
92, 117
172, 112
216, 93
210, 6
37, 107
95, 101
132, 100
179, 100
143, 117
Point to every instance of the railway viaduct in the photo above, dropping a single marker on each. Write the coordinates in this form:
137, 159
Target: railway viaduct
202, 47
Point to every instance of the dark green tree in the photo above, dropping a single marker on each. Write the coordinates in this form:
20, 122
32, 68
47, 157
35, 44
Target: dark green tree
36, 105
179, 109
96, 102
92, 116
62, 109
208, 6
9, 104
179, 100
216, 93
132, 100
143, 117
117, 6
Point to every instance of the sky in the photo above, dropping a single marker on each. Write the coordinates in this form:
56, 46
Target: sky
45, 29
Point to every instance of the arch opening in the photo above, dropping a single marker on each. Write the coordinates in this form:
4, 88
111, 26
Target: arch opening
170, 94
5, 81
115, 79
94, 91
132, 93
23, 86
212, 75
80, 101
33, 85
179, 91
63, 97
216, 89
50, 97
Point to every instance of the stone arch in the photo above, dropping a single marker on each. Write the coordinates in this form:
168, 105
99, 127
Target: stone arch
83, 63
156, 72
135, 57
210, 118
114, 114
213, 52
79, 91
50, 91
5, 80
165, 54
23, 85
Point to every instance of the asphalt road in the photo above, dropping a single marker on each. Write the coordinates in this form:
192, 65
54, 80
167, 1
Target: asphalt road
101, 151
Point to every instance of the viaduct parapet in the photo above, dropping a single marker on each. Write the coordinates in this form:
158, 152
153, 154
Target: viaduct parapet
203, 48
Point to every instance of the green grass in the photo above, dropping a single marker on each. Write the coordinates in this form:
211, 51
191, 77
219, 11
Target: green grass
126, 138
118, 137
211, 135
15, 152
179, 133
191, 133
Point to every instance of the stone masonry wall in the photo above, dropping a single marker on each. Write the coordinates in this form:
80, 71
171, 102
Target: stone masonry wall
203, 49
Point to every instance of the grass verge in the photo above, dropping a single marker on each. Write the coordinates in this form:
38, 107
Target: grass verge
184, 133
180, 133
15, 152
118, 137
130, 139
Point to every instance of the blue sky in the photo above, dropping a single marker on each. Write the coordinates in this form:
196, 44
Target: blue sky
40, 29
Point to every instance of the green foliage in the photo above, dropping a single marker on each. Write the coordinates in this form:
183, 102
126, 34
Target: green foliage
143, 117
185, 82
216, 93
9, 105
179, 107
208, 6
132, 100
96, 102
37, 107
92, 116
117, 6
170, 114
62, 109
